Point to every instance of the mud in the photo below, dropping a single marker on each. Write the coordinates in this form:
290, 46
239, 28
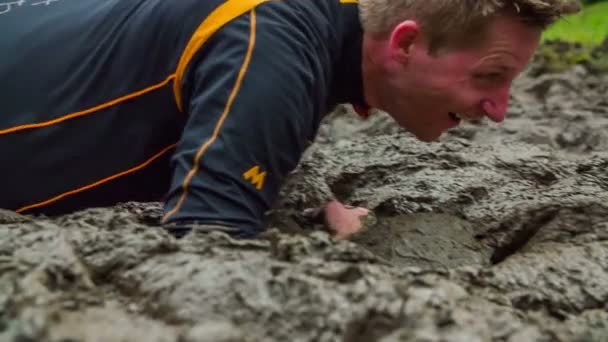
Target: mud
495, 233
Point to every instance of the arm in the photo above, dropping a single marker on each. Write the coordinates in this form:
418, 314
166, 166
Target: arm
253, 98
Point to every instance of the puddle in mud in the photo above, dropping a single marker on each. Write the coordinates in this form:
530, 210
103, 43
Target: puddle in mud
427, 240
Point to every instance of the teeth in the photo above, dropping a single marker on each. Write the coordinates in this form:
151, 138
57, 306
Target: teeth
456, 115
464, 116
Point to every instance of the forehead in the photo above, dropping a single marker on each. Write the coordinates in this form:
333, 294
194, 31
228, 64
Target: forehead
505, 39
509, 33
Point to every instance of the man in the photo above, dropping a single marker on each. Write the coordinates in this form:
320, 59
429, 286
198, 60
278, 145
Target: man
208, 105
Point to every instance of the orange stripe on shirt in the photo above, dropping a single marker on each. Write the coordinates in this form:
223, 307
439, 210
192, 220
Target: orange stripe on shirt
224, 14
100, 182
89, 110
201, 151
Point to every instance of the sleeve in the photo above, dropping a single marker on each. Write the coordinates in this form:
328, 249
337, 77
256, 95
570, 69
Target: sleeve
254, 99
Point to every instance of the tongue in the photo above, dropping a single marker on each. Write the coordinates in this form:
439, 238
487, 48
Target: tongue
493, 112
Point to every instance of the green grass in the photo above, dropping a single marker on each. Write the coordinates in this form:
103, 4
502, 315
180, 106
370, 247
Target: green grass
576, 39
588, 27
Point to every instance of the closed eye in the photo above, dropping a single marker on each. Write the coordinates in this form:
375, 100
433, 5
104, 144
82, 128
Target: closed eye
489, 76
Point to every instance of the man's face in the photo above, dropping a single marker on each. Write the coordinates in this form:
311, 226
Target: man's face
428, 94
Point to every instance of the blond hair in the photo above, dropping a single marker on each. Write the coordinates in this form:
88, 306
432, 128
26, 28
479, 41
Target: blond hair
447, 22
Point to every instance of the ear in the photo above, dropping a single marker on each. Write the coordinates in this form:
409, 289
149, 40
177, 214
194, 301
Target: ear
402, 39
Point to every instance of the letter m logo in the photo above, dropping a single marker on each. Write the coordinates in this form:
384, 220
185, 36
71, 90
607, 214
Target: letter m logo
255, 177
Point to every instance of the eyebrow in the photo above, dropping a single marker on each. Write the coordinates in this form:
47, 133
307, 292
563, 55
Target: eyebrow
505, 60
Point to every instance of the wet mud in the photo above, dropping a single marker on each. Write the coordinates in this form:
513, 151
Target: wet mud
498, 232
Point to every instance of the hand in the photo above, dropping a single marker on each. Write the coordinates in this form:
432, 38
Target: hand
344, 221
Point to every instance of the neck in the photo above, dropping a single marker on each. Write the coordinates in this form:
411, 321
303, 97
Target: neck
374, 55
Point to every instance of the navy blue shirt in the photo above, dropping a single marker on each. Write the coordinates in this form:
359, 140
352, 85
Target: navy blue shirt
205, 105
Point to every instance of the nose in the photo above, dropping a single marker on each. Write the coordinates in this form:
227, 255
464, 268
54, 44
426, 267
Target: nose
496, 107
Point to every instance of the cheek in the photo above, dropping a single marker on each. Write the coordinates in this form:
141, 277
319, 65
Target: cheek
467, 98
396, 90
438, 86
459, 93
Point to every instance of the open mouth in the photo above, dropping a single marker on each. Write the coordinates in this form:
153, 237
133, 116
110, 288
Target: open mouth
455, 117
458, 117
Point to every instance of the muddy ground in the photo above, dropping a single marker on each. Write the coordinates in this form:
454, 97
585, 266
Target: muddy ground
499, 232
